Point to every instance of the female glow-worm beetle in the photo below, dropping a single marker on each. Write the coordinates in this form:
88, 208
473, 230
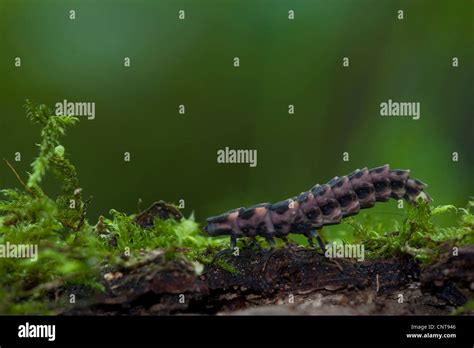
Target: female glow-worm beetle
320, 206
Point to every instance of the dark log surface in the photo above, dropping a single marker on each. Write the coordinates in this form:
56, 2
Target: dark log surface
291, 281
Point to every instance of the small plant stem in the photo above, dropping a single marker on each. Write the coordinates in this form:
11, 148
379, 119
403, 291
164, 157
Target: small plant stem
19, 178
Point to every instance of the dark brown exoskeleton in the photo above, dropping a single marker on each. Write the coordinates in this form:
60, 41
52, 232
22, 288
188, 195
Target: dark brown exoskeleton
320, 206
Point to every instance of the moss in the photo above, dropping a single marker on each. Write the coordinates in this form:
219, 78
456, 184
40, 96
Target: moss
467, 308
68, 252
52, 128
416, 235
182, 237
64, 256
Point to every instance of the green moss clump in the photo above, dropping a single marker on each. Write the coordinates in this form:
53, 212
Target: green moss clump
417, 235
52, 156
65, 254
466, 309
182, 237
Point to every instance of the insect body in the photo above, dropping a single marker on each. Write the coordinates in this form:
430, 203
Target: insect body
320, 206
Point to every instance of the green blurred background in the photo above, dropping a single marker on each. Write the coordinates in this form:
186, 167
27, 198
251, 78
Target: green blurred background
283, 62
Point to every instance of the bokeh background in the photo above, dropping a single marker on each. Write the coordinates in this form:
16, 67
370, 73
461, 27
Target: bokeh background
282, 61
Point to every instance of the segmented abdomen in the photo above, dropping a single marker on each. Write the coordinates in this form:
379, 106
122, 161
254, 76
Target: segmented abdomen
322, 205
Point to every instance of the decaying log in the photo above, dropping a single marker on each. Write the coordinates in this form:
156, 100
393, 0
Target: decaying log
158, 210
290, 281
452, 277
302, 269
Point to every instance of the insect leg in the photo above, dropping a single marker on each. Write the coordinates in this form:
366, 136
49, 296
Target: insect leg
271, 242
314, 234
233, 243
